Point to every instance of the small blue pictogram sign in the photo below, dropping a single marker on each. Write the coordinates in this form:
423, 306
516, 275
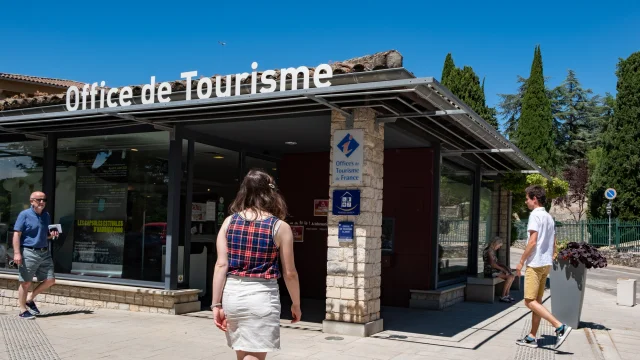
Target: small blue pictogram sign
346, 202
348, 145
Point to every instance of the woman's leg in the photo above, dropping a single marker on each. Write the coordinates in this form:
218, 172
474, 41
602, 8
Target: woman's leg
505, 288
507, 285
243, 355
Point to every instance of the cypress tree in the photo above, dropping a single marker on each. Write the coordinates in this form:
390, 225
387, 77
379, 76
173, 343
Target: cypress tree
535, 132
446, 70
620, 160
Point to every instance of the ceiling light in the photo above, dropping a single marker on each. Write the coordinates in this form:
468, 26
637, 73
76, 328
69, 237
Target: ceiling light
291, 143
208, 189
218, 157
274, 169
134, 149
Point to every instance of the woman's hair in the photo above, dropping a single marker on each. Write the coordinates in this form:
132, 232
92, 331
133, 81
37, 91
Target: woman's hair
492, 244
258, 192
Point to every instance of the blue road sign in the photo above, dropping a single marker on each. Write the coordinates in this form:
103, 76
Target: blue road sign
610, 193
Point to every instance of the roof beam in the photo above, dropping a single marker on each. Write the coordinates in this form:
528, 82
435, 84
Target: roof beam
432, 113
510, 172
481, 151
143, 121
28, 135
347, 115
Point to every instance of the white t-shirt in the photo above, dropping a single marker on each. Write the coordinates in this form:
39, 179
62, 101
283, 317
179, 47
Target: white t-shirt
543, 223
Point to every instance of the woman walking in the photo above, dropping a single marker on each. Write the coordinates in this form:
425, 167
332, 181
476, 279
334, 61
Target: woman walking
493, 269
251, 244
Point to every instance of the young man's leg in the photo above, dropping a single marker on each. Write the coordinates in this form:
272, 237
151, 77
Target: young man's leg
536, 279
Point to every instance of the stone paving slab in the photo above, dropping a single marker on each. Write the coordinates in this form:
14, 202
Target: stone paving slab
23, 339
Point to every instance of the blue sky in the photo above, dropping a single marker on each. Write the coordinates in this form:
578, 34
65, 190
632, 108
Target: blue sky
125, 43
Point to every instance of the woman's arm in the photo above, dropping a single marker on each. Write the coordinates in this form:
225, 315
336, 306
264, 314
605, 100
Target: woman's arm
284, 239
222, 264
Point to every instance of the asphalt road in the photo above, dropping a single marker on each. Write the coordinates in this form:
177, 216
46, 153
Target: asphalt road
605, 279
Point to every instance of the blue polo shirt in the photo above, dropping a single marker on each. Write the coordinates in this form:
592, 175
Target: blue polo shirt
34, 228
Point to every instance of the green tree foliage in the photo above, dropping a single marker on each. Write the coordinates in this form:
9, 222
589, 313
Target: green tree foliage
449, 65
465, 84
535, 132
620, 160
577, 112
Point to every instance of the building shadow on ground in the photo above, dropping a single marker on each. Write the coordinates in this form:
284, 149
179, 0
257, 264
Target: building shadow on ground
63, 312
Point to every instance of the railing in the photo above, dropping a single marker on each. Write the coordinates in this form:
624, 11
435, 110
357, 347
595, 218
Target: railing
625, 235
454, 232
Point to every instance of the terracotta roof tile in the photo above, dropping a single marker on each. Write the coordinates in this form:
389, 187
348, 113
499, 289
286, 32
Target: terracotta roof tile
382, 60
41, 80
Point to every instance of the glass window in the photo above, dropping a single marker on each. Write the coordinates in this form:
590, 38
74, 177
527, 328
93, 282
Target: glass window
111, 200
20, 175
484, 224
456, 188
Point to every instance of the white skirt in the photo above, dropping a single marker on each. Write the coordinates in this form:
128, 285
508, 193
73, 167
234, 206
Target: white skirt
252, 307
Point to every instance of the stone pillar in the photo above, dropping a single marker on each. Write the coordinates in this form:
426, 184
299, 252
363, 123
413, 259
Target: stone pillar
501, 219
354, 268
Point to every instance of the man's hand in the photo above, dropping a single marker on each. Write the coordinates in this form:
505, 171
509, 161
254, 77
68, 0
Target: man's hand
519, 269
54, 234
17, 259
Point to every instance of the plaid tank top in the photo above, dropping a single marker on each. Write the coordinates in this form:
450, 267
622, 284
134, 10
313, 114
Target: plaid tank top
251, 248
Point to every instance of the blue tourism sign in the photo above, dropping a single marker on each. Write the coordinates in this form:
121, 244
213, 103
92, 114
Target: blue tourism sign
346, 202
345, 231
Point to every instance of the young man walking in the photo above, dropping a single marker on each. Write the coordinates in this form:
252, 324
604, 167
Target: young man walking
31, 254
538, 257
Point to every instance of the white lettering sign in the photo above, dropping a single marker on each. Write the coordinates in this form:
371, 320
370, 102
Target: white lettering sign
204, 87
348, 157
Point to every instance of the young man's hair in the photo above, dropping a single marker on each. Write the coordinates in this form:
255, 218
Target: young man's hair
538, 192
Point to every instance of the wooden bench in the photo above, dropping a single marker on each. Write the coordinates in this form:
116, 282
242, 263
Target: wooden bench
483, 289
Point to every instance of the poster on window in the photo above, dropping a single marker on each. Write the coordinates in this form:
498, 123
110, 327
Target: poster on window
101, 213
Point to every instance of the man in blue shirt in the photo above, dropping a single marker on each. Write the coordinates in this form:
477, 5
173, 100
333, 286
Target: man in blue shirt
31, 253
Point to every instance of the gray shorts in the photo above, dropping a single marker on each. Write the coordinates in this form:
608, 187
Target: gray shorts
36, 263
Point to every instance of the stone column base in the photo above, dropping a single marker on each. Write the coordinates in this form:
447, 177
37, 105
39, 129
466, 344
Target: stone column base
352, 329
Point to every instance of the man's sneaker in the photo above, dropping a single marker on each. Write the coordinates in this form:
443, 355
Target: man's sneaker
505, 299
561, 333
527, 341
26, 315
33, 308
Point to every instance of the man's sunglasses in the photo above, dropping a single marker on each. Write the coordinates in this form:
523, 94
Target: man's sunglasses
42, 200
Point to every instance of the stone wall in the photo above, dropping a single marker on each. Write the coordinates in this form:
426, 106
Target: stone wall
437, 299
354, 268
106, 296
630, 259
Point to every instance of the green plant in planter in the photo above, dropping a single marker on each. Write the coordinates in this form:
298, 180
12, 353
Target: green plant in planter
577, 253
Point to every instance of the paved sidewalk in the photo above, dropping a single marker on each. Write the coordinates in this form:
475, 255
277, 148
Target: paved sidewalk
77, 333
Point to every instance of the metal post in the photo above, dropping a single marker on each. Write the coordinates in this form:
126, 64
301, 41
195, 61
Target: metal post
435, 218
609, 213
186, 263
173, 211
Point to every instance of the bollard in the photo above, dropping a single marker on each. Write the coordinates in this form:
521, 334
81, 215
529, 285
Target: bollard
626, 292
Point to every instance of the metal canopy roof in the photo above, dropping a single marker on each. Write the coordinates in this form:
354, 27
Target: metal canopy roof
420, 104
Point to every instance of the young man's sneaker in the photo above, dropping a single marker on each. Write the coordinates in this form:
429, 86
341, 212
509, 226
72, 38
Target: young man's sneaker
26, 315
505, 299
527, 341
561, 333
33, 308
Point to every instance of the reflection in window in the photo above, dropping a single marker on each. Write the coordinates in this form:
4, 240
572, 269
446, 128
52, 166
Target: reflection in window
484, 224
20, 175
111, 200
456, 188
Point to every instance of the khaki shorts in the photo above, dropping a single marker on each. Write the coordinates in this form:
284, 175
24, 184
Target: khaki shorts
535, 279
